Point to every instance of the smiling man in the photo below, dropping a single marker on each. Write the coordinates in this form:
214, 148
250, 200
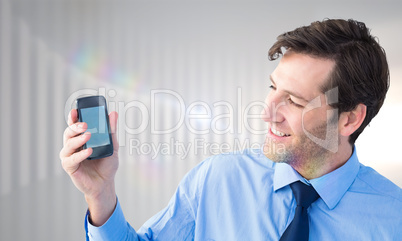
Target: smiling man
295, 84
330, 82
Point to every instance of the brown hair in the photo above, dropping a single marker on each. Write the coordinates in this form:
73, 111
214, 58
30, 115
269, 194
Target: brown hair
361, 69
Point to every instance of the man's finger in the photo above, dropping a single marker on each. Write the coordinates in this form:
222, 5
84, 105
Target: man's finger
72, 117
74, 130
71, 163
75, 143
113, 116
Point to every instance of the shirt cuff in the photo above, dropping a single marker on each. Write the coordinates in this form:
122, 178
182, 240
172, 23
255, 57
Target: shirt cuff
115, 227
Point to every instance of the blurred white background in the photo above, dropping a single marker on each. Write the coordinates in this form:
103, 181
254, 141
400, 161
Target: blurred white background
209, 51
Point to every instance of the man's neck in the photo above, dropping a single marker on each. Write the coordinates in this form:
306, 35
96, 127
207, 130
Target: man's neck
316, 168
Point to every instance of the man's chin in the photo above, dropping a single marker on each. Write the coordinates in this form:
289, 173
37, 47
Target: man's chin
276, 153
278, 158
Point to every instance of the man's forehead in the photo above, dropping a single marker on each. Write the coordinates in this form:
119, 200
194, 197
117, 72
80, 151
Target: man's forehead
291, 92
304, 74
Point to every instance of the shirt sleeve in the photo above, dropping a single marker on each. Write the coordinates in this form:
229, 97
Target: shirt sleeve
174, 222
115, 228
178, 220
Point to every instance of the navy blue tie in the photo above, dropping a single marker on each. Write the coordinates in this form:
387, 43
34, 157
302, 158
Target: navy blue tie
298, 228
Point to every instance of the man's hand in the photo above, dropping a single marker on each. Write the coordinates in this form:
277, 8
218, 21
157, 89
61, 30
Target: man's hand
94, 178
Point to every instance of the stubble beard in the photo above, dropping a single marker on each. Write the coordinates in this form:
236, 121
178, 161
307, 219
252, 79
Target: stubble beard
302, 151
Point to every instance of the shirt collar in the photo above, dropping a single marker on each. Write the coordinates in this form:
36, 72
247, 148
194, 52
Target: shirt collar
284, 175
331, 187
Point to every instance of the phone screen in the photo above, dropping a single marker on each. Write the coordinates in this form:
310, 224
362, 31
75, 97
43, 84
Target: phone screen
96, 119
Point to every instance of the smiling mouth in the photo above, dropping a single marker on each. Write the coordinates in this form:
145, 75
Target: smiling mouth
278, 133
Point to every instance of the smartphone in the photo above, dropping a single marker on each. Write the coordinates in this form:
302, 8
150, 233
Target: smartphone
93, 111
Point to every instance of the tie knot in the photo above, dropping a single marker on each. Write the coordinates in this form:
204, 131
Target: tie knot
305, 195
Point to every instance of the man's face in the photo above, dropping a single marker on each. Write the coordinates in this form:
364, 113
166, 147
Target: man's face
294, 84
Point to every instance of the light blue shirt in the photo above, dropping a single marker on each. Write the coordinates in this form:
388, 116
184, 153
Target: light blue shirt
246, 196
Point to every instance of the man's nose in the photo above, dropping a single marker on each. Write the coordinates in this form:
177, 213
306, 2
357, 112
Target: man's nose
272, 110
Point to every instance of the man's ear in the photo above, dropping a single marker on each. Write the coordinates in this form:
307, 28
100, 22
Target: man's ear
350, 121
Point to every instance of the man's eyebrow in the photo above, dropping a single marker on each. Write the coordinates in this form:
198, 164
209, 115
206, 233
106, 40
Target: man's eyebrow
298, 96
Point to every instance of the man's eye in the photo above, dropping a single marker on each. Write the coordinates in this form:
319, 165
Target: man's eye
295, 104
